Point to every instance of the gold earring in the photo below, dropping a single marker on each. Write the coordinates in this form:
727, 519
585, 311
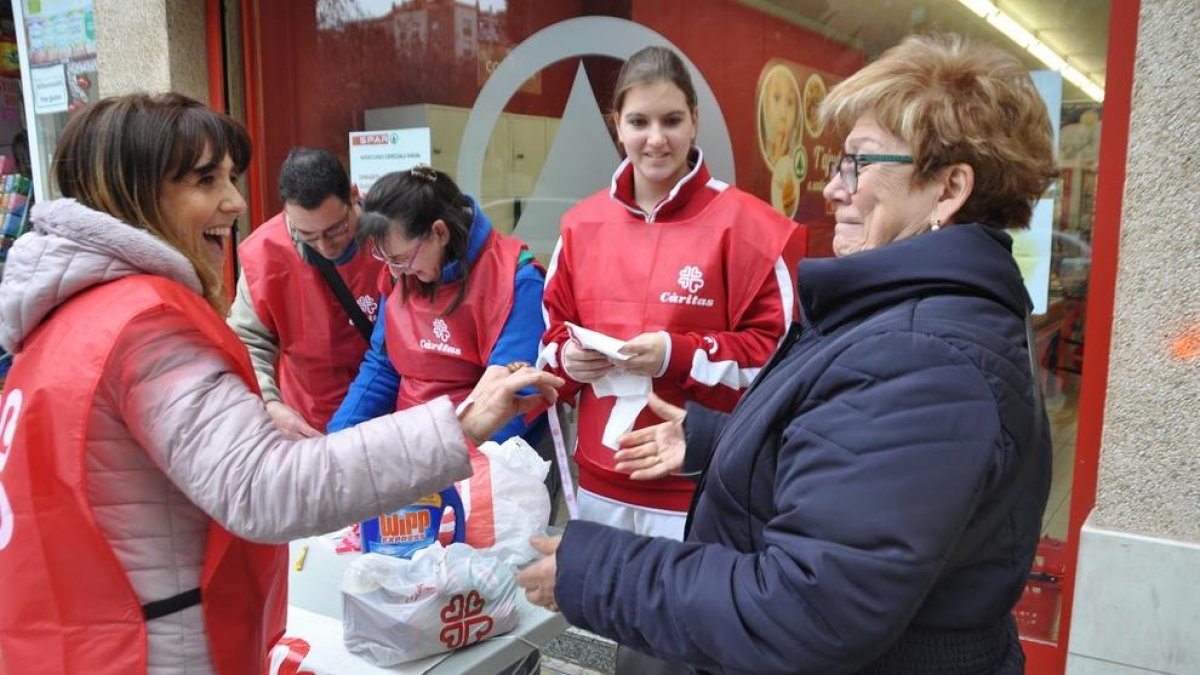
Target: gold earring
935, 225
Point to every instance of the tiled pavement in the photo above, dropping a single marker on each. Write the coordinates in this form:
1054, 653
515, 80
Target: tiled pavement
578, 652
552, 666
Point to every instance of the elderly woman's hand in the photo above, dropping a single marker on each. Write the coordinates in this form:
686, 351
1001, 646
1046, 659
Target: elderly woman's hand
538, 578
657, 451
495, 400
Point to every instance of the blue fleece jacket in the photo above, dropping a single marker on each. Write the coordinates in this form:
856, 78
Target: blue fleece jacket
842, 524
373, 391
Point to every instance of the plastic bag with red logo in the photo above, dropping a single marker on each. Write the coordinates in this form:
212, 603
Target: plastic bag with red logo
397, 610
506, 499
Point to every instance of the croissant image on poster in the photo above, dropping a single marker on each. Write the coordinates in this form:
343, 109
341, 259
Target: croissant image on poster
814, 94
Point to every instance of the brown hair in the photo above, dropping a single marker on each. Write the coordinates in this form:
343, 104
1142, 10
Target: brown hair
115, 155
650, 65
955, 101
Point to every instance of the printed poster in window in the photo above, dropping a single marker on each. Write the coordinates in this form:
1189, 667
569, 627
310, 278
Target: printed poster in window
61, 35
794, 143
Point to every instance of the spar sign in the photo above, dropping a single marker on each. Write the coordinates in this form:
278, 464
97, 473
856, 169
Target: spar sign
376, 153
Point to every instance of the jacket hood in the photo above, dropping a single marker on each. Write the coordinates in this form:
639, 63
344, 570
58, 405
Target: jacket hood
481, 227
957, 260
71, 249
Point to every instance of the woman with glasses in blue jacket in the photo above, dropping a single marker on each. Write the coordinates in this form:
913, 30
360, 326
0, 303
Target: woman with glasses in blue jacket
465, 297
873, 503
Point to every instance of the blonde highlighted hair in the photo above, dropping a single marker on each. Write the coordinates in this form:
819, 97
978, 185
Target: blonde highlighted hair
115, 156
954, 101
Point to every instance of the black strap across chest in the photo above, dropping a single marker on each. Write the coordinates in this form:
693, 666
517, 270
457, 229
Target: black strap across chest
175, 603
338, 286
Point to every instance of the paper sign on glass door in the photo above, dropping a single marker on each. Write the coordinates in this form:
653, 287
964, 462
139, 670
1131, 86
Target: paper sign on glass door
49, 89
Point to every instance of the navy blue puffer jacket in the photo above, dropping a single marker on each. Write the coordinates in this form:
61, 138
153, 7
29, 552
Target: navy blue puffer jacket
828, 534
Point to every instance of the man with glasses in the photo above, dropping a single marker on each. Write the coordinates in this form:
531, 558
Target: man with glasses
302, 340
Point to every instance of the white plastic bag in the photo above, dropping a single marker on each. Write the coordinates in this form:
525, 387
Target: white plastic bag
397, 610
313, 645
506, 500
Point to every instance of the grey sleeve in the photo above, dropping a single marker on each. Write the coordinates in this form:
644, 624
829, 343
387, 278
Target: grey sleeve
204, 428
260, 341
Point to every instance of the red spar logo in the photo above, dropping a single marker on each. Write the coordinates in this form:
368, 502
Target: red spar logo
465, 622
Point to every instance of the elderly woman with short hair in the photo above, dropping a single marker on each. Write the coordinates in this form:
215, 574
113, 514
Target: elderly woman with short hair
873, 504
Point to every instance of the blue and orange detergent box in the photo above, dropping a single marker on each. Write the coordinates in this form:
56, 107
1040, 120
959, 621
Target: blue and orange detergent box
403, 532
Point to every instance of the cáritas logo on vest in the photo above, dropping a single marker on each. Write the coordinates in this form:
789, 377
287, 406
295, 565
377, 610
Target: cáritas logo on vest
442, 332
369, 306
10, 412
691, 280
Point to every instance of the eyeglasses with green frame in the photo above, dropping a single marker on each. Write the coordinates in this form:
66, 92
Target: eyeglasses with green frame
850, 165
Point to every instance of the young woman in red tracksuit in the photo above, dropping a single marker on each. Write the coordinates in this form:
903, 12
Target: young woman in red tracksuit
696, 276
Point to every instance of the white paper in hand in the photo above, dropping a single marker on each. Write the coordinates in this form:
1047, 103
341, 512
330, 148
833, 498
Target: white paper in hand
590, 339
631, 390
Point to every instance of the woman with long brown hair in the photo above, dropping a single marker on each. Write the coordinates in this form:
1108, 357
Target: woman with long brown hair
144, 491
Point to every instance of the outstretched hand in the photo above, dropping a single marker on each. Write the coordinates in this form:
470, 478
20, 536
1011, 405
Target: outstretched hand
495, 400
656, 451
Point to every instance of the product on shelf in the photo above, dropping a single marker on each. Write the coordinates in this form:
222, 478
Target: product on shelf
14, 200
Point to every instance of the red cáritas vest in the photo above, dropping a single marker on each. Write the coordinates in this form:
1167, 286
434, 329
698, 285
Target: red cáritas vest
439, 355
319, 348
67, 605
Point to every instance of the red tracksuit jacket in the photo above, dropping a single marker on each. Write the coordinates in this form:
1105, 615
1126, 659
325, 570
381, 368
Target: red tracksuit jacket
712, 266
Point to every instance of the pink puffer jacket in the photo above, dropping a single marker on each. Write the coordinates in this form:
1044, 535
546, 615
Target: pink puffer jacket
176, 438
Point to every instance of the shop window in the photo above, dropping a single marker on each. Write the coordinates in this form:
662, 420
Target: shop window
57, 40
520, 122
